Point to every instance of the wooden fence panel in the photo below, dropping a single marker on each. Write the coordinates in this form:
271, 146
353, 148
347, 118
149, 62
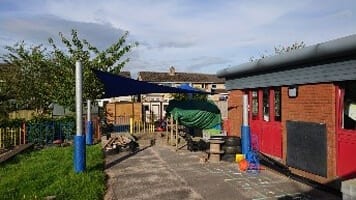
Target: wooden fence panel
10, 137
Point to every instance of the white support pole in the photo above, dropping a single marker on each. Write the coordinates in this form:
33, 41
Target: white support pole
78, 98
79, 138
245, 129
245, 110
88, 110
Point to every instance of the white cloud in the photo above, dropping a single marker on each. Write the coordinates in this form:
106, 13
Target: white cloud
192, 35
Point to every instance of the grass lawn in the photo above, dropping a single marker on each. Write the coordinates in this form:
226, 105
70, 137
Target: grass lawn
50, 172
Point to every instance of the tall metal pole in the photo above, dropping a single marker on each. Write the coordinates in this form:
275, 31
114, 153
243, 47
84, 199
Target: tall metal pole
89, 128
79, 138
245, 110
245, 129
88, 110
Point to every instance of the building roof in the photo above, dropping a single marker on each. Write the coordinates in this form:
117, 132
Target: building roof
326, 62
334, 49
182, 77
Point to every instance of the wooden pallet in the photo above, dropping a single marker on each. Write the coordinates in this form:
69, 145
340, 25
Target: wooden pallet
13, 152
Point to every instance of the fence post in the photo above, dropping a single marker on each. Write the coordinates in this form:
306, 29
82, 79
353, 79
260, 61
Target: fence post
20, 134
1, 136
13, 131
131, 125
23, 133
171, 122
144, 127
177, 135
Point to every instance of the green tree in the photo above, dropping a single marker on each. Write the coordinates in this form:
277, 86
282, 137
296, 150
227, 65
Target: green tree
30, 83
48, 76
110, 60
6, 91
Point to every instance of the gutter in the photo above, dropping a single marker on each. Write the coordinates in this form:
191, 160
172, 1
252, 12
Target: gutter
331, 49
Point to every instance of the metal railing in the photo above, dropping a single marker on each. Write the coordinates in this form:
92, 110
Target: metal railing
130, 124
47, 132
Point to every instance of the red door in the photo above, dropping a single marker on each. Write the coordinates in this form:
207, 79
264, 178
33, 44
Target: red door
346, 130
265, 120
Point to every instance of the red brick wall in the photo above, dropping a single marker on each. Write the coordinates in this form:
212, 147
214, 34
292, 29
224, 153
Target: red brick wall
315, 103
235, 103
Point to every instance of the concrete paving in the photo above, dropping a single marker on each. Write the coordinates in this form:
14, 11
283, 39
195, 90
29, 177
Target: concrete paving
159, 172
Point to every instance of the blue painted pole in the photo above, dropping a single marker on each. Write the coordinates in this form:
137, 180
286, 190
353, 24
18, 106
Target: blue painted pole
79, 139
89, 133
79, 153
245, 129
89, 128
245, 139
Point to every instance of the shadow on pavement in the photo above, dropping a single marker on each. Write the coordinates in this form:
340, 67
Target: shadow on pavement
124, 157
332, 187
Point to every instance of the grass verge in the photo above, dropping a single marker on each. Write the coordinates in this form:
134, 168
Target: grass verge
50, 172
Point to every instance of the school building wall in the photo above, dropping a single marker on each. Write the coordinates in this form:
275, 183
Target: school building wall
235, 112
314, 103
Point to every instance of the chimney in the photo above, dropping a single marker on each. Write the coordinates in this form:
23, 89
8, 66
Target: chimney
172, 71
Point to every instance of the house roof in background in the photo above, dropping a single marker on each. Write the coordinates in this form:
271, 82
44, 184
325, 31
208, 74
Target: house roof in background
126, 74
171, 76
179, 77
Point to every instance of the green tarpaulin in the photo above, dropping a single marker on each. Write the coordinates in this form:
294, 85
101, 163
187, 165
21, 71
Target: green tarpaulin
195, 114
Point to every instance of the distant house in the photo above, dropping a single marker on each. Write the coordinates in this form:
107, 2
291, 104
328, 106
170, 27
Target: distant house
155, 104
302, 108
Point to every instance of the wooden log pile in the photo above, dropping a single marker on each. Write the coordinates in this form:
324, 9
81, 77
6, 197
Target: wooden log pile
120, 142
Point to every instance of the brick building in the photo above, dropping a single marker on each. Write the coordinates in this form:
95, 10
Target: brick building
301, 108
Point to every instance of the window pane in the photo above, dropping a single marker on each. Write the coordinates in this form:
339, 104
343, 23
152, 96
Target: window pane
254, 104
349, 119
277, 104
266, 104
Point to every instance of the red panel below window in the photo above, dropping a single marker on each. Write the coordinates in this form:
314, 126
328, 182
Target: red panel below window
269, 137
346, 159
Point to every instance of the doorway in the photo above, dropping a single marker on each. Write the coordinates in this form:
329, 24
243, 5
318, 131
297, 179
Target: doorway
265, 120
346, 128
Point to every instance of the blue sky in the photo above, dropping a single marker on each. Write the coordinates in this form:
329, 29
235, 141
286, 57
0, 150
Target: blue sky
201, 36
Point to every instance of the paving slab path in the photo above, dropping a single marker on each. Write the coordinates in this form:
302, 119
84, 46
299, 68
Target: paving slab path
159, 172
